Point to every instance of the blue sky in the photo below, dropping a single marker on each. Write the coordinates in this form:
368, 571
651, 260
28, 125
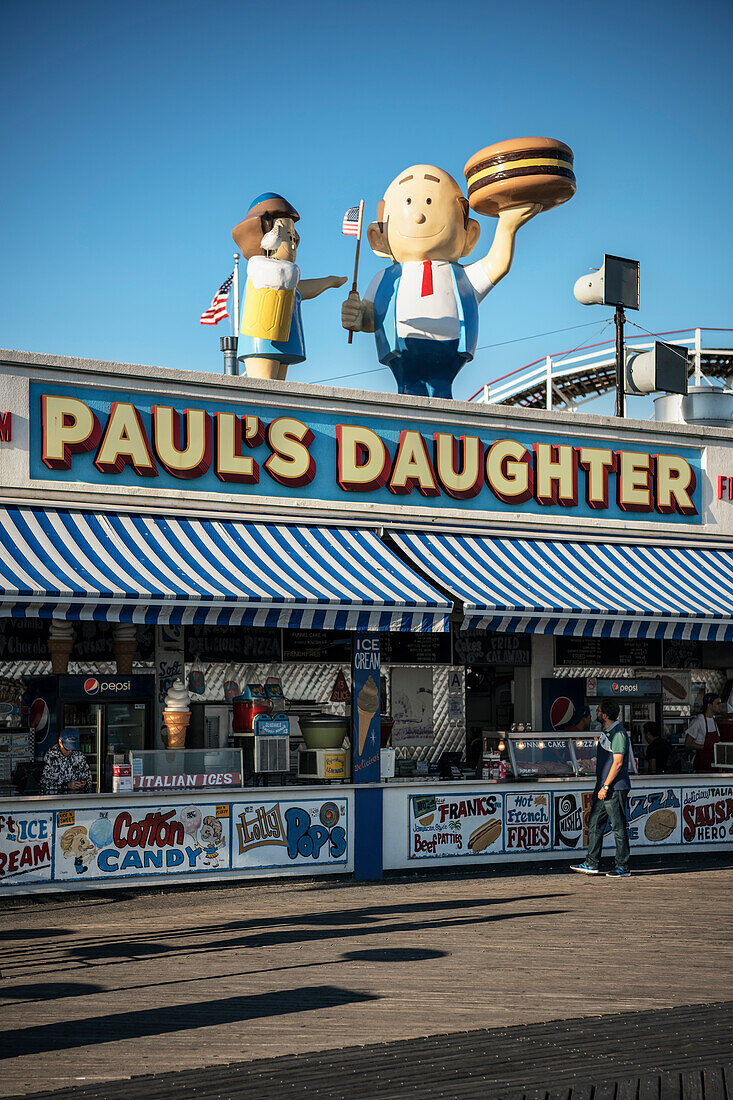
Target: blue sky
136, 135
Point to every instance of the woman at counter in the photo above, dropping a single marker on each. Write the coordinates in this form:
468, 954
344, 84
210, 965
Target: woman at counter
703, 733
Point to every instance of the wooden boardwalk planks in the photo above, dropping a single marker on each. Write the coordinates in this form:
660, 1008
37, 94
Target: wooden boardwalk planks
103, 988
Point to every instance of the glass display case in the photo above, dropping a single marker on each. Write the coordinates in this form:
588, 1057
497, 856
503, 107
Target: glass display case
584, 750
554, 756
185, 769
539, 756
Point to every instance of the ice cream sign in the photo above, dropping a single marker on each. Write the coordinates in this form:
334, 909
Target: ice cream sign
110, 437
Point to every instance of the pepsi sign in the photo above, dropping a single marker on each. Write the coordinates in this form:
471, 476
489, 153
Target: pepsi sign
92, 686
627, 688
106, 687
562, 710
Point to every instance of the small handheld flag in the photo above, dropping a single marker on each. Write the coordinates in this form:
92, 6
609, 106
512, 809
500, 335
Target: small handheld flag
217, 311
350, 224
351, 227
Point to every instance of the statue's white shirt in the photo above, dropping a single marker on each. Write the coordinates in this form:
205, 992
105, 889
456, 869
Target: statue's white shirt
432, 316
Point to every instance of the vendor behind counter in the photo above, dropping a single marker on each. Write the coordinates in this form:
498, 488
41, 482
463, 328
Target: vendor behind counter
65, 767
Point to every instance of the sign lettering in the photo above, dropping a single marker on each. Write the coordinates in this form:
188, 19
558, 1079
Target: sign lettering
95, 436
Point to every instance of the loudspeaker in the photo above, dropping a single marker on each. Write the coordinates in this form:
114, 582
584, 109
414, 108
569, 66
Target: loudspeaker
614, 284
664, 367
589, 289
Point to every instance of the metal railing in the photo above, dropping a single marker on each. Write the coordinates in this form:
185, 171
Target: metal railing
585, 373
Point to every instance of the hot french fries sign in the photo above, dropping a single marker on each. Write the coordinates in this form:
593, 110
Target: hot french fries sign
114, 438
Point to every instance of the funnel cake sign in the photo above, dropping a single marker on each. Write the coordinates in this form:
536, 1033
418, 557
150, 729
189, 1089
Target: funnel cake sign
117, 439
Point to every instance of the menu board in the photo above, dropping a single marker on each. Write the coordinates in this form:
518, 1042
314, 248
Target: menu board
415, 649
681, 654
483, 647
605, 652
246, 644
322, 646
27, 640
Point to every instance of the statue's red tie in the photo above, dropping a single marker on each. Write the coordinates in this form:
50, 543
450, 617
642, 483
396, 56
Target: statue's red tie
427, 279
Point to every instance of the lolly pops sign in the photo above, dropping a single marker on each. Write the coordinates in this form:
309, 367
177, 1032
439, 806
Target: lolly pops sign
284, 834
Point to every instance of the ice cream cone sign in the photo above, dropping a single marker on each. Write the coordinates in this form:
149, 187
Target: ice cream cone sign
271, 326
367, 705
366, 689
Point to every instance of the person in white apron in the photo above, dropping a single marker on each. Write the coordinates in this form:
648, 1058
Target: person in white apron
703, 733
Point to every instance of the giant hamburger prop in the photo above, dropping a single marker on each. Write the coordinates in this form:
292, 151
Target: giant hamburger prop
520, 171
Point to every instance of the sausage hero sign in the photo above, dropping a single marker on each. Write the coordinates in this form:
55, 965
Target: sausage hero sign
109, 437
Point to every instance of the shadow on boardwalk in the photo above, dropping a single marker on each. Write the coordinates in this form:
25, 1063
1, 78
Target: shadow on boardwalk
677, 1054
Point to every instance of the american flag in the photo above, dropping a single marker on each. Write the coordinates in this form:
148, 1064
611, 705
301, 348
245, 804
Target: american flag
350, 224
217, 311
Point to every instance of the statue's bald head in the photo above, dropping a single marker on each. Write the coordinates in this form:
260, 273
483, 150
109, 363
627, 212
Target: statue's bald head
423, 215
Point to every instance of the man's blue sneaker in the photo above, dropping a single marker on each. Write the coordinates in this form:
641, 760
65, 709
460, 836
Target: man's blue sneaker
585, 869
616, 873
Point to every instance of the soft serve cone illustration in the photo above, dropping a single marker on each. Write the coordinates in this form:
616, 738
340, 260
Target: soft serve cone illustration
367, 705
177, 715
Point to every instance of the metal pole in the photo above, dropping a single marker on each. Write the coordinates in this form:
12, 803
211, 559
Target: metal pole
236, 295
356, 258
228, 345
548, 394
620, 363
698, 357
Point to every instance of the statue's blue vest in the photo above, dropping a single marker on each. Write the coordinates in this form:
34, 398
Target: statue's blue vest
389, 344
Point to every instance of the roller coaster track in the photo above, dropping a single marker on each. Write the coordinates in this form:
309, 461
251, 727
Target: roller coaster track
570, 379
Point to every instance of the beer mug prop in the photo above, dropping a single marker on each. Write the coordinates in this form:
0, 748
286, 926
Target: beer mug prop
269, 298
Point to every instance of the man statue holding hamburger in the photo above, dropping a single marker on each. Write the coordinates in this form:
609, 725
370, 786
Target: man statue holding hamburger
423, 310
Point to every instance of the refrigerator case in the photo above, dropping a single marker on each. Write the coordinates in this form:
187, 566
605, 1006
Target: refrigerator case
119, 723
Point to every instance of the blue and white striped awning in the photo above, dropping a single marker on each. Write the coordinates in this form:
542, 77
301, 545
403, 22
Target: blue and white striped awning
148, 569
581, 588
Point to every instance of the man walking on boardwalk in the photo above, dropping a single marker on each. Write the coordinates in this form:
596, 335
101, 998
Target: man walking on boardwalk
610, 795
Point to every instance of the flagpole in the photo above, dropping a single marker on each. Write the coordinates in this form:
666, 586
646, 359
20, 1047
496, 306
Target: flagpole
228, 344
236, 294
356, 258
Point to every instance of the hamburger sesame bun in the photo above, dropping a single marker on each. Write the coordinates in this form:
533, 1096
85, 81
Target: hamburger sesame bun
519, 171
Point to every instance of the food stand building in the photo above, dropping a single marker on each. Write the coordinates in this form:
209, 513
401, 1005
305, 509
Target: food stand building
483, 565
